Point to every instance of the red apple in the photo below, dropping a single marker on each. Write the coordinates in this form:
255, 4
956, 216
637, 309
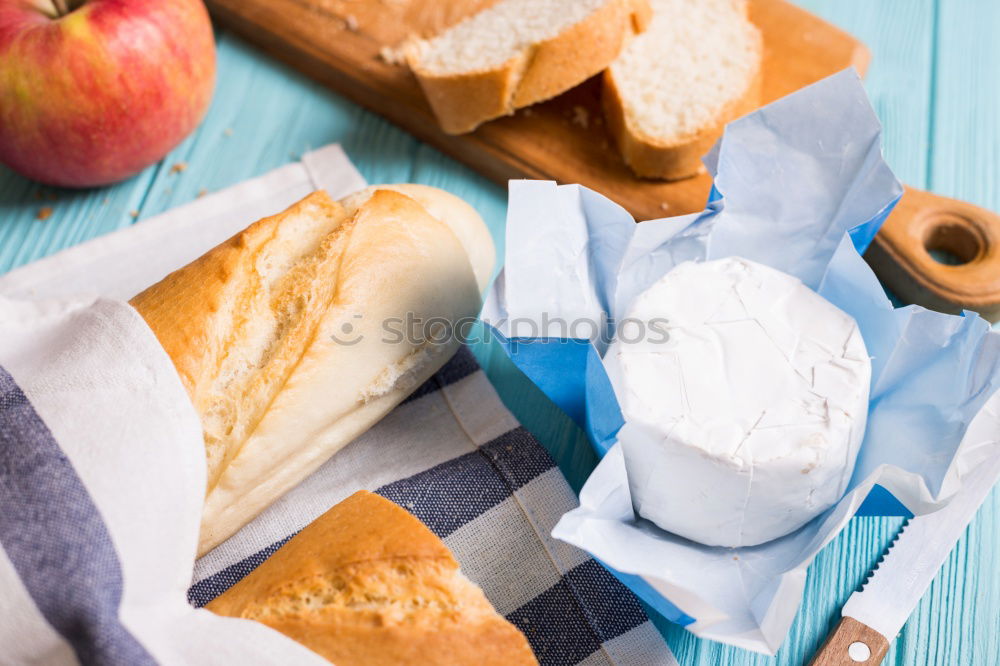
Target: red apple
92, 91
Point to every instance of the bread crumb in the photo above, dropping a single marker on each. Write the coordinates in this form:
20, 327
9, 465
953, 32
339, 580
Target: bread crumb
106, 201
44, 213
392, 56
134, 213
581, 116
202, 192
351, 23
228, 131
179, 167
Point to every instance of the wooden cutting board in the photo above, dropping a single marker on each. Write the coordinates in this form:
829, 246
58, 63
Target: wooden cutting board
339, 42
345, 44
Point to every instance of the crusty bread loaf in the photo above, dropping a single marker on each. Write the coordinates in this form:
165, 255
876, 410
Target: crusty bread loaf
669, 94
277, 334
460, 217
519, 52
367, 584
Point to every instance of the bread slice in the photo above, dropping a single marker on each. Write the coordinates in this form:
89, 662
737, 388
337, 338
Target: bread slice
519, 52
668, 96
278, 333
367, 584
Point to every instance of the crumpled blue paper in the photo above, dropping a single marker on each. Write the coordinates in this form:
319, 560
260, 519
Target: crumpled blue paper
801, 186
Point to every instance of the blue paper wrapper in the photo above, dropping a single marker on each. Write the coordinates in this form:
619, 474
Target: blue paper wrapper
800, 186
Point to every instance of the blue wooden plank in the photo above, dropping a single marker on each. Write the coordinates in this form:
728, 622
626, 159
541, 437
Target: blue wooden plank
265, 115
965, 152
75, 216
958, 621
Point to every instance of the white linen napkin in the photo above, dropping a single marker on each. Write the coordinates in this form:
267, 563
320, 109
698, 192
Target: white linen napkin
102, 473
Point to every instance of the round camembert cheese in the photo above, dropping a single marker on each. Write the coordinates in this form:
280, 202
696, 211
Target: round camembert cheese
744, 395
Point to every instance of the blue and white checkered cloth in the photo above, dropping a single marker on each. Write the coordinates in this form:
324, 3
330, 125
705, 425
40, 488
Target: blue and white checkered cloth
494, 499
102, 470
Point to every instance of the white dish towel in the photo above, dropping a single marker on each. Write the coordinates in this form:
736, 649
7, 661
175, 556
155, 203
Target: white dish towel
102, 473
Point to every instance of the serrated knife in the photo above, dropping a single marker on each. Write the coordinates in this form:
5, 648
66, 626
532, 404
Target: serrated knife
873, 616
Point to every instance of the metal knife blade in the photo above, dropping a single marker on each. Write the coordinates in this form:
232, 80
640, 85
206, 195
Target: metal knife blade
872, 617
896, 584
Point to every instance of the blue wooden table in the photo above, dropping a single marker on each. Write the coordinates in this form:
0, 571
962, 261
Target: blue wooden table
935, 82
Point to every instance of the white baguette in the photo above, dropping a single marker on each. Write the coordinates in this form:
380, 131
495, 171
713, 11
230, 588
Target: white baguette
669, 94
519, 52
278, 333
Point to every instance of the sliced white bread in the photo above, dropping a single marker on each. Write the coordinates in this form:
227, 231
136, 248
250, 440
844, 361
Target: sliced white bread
672, 90
520, 52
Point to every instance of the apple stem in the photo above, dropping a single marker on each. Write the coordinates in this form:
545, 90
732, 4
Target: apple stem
64, 7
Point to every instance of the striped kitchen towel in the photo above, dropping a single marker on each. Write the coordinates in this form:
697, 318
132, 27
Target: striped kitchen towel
481, 482
102, 471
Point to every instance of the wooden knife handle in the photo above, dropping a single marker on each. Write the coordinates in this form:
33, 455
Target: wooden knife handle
852, 644
901, 254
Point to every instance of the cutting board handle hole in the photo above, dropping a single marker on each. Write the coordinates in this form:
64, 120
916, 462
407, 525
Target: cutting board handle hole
952, 239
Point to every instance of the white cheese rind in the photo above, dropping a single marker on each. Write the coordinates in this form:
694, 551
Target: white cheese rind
746, 423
